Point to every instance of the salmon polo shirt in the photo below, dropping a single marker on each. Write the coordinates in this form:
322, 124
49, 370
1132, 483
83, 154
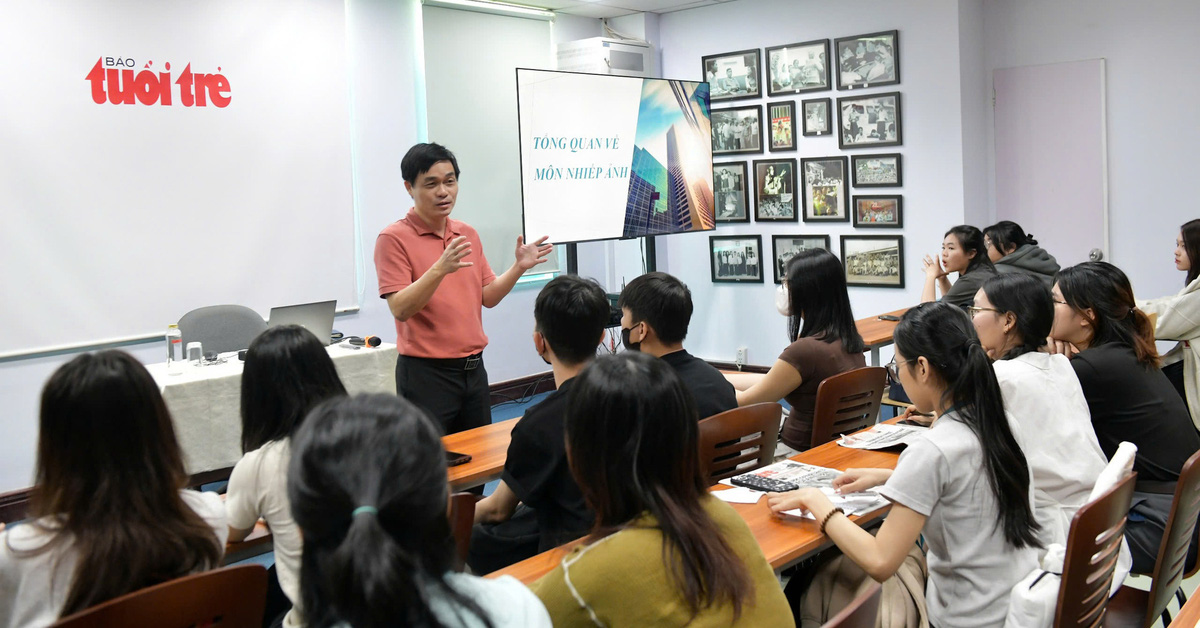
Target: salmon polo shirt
451, 324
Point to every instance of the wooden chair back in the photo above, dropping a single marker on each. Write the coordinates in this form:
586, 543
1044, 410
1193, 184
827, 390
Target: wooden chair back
232, 597
861, 613
1177, 537
1092, 548
735, 437
462, 519
847, 402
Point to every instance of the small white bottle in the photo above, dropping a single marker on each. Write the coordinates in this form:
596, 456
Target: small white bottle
174, 350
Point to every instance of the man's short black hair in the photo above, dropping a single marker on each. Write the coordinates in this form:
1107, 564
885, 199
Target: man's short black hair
571, 313
420, 158
662, 302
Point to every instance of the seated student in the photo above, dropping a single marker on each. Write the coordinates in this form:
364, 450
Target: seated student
1013, 314
825, 342
1014, 251
287, 372
569, 316
963, 485
1179, 319
1129, 397
109, 514
663, 552
655, 311
963, 252
367, 484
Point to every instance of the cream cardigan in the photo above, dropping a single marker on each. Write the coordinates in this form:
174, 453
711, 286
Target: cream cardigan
1179, 319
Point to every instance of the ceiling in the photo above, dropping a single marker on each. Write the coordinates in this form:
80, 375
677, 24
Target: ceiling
617, 8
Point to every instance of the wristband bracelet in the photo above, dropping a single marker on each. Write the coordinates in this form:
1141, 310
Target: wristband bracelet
830, 516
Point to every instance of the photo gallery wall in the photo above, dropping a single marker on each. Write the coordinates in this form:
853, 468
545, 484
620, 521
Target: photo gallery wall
855, 186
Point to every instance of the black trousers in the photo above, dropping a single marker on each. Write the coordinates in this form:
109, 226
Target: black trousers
453, 392
498, 545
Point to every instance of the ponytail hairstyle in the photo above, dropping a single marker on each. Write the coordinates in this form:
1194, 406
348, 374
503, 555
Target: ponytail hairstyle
1006, 235
971, 239
816, 284
1030, 302
367, 486
1191, 243
632, 439
1106, 290
944, 335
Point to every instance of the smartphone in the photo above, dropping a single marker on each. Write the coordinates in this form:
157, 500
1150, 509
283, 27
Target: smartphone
453, 458
888, 317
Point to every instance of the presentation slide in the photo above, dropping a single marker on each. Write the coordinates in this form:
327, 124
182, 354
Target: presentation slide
606, 157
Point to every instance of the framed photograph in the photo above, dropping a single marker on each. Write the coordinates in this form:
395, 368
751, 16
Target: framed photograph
816, 116
785, 247
824, 189
731, 194
783, 125
733, 75
879, 211
874, 261
798, 68
737, 131
868, 60
736, 258
869, 120
775, 190
877, 171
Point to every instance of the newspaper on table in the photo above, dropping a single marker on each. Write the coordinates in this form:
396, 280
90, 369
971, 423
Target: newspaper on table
882, 436
851, 503
797, 473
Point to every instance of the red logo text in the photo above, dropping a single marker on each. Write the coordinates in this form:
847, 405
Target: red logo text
113, 80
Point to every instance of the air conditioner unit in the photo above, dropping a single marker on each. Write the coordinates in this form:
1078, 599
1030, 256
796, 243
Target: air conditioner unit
601, 55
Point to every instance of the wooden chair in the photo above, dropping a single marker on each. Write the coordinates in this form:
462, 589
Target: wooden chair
1092, 548
233, 597
1134, 607
847, 402
462, 519
739, 436
861, 613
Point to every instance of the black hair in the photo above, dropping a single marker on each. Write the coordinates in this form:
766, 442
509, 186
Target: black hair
1006, 235
421, 157
1106, 290
820, 304
1029, 301
1190, 232
661, 301
943, 335
287, 372
571, 313
971, 239
384, 566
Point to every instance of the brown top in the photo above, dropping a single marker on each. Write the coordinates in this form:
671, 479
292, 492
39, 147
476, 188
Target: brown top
815, 360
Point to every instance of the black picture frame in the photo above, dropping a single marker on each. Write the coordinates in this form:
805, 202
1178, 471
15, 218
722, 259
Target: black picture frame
726, 269
732, 189
775, 190
736, 142
869, 121
798, 68
871, 60
732, 75
782, 115
857, 251
812, 118
823, 182
877, 170
878, 211
780, 258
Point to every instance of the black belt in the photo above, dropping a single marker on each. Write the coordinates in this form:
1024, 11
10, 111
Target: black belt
469, 363
1153, 486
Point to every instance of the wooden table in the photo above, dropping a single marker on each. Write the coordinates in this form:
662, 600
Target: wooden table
877, 333
784, 541
1189, 615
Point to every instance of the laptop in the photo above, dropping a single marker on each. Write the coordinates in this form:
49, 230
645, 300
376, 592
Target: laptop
315, 317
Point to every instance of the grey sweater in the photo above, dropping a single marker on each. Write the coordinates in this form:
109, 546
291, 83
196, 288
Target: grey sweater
1030, 259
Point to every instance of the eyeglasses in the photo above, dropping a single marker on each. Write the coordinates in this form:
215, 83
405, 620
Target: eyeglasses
973, 311
892, 366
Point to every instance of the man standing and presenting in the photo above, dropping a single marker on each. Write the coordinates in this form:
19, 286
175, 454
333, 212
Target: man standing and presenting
435, 278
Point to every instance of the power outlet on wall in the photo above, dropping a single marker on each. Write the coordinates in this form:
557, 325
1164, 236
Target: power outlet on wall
740, 360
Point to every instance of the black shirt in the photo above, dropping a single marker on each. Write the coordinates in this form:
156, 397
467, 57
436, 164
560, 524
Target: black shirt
1135, 403
712, 392
536, 470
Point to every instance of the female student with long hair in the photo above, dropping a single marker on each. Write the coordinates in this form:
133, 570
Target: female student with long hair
824, 342
964, 484
367, 484
663, 551
287, 372
1179, 319
1014, 251
1013, 315
1129, 397
963, 252
109, 513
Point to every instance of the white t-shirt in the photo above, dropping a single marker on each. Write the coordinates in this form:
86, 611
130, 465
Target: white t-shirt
33, 589
507, 602
1051, 421
972, 567
258, 488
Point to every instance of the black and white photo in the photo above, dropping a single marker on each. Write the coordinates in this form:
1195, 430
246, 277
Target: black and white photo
785, 247
737, 130
824, 189
816, 116
882, 170
733, 75
879, 211
869, 120
875, 261
798, 68
871, 60
736, 259
775, 190
731, 194
783, 125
